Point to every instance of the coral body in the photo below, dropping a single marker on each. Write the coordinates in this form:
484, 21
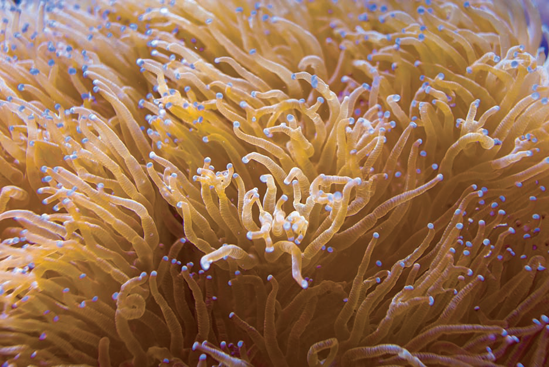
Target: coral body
382, 199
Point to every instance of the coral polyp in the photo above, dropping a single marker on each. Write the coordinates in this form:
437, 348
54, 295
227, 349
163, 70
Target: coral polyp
286, 183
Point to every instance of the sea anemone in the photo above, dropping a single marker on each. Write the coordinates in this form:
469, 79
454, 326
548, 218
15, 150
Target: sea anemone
382, 198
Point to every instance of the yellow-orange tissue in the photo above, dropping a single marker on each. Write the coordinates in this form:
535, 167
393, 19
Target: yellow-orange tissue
285, 183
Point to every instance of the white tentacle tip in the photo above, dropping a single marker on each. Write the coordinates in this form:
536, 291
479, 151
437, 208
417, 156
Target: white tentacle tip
205, 263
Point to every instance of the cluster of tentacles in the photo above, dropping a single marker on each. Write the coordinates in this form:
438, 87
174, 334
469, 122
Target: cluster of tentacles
284, 183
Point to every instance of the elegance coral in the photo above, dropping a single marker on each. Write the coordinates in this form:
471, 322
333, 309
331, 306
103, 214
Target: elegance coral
382, 199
